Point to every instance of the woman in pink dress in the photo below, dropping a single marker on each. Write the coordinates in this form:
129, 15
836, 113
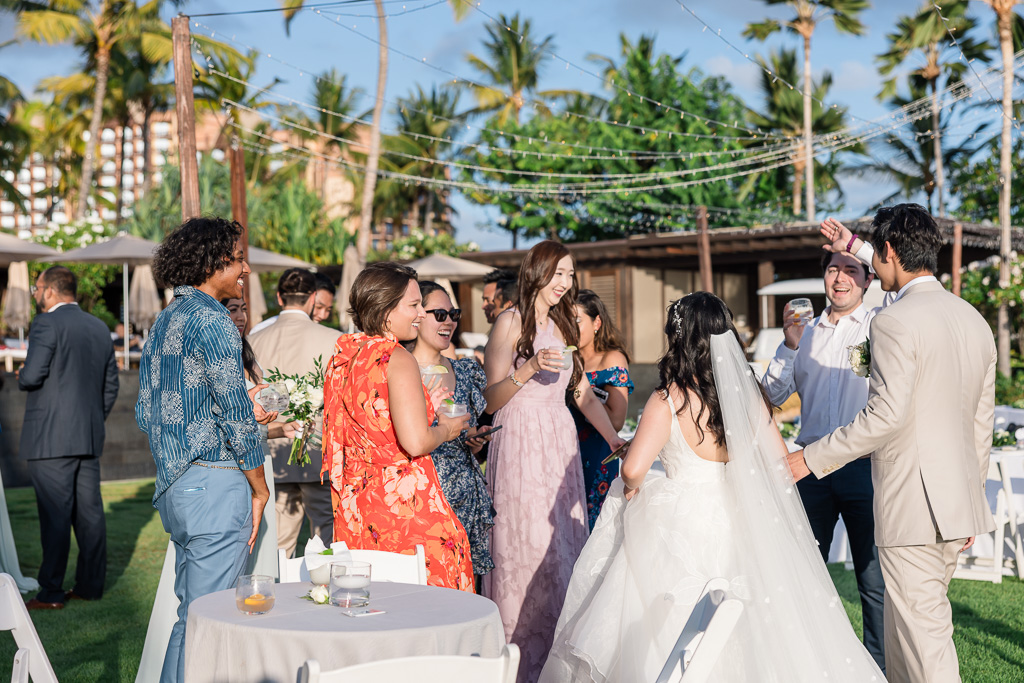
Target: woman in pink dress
534, 469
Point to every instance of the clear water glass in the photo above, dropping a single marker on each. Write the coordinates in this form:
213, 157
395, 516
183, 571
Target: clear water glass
350, 583
801, 311
453, 409
254, 593
274, 398
565, 362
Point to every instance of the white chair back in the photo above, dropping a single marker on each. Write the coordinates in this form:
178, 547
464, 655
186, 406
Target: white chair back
293, 570
30, 659
704, 636
395, 567
428, 669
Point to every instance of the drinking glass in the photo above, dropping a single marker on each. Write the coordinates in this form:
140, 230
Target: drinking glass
254, 593
565, 361
801, 311
453, 409
274, 398
350, 583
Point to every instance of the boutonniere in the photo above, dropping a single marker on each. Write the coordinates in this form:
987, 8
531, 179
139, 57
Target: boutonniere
860, 358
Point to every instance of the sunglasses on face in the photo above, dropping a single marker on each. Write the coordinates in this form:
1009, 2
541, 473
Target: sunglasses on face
440, 314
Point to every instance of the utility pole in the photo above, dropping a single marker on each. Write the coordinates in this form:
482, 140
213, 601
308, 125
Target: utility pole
704, 250
185, 109
239, 211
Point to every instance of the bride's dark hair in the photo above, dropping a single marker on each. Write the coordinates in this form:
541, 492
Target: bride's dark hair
688, 364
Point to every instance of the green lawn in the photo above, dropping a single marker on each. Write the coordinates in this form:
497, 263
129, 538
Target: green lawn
102, 641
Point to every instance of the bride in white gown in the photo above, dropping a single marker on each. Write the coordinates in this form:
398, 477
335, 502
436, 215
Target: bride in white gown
727, 508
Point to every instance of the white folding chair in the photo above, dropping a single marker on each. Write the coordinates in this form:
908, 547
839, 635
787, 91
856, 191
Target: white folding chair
704, 636
294, 569
428, 669
30, 659
395, 567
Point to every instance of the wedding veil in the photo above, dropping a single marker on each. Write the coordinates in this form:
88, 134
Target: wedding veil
794, 623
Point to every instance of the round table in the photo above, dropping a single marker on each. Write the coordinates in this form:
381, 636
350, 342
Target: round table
223, 645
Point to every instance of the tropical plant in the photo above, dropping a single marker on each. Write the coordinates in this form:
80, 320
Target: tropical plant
57, 135
14, 137
335, 119
1007, 20
213, 88
978, 184
292, 8
979, 286
419, 244
92, 277
808, 14
783, 115
928, 36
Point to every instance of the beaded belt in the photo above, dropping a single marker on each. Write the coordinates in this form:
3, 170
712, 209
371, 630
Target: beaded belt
216, 467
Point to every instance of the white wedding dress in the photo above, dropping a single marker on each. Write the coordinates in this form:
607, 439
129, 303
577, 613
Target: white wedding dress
647, 561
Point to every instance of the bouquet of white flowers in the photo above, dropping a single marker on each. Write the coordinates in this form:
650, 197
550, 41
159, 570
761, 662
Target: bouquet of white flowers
860, 358
305, 405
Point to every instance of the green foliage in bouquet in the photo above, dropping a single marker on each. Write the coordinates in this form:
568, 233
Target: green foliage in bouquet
305, 405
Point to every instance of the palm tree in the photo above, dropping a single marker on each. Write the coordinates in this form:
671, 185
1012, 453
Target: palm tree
94, 30
910, 163
512, 68
293, 7
809, 13
14, 137
212, 89
1006, 19
783, 114
926, 34
332, 94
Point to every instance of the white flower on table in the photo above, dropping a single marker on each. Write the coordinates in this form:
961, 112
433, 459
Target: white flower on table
320, 595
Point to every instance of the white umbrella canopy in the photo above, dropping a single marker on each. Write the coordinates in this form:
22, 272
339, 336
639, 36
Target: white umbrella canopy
349, 270
17, 299
144, 298
263, 261
440, 266
13, 249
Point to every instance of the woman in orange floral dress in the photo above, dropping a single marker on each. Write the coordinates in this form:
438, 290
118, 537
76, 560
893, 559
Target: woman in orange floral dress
378, 438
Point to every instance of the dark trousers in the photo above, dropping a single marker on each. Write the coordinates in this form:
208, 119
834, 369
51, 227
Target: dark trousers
849, 492
68, 497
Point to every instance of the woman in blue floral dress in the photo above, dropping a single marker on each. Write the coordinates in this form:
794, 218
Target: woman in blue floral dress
462, 482
606, 363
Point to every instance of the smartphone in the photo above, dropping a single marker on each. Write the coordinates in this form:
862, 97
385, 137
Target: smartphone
488, 432
617, 453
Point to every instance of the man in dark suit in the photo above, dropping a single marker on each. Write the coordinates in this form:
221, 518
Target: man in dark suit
70, 375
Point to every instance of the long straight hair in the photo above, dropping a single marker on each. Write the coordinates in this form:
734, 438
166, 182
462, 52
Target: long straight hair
687, 363
537, 270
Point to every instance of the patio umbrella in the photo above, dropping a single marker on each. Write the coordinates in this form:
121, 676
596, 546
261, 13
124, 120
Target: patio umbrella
258, 305
123, 250
349, 270
144, 298
451, 268
263, 261
17, 300
13, 249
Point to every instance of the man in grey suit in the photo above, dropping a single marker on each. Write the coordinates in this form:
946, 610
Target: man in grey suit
291, 345
70, 375
928, 428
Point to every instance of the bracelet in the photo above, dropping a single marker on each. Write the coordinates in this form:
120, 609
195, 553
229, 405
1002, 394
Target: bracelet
852, 240
514, 380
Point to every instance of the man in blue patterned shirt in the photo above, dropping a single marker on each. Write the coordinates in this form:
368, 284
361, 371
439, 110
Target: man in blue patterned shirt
201, 423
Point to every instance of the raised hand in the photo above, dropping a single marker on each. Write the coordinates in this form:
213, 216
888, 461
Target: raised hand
792, 329
837, 234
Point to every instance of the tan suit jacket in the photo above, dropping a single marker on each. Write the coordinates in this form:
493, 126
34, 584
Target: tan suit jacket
291, 345
928, 420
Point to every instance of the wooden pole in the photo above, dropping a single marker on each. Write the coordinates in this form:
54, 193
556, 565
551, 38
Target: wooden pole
239, 211
186, 112
704, 249
958, 255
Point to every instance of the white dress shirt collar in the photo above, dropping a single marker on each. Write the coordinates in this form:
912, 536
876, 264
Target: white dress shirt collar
858, 314
295, 311
54, 307
912, 283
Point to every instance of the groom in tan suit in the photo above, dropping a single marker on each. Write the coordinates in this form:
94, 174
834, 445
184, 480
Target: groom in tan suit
291, 345
928, 428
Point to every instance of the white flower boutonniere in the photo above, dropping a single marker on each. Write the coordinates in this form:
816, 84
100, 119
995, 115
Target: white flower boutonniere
320, 595
860, 358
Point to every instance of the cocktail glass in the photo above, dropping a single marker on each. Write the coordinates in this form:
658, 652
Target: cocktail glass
274, 398
453, 409
254, 593
350, 583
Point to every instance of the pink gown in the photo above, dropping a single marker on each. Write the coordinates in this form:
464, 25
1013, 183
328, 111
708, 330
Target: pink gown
536, 479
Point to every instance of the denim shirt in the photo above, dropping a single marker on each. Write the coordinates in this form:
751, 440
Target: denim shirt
192, 399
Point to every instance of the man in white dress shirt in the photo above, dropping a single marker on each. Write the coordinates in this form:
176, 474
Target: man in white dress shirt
813, 361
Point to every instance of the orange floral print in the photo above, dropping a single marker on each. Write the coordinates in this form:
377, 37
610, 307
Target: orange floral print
384, 498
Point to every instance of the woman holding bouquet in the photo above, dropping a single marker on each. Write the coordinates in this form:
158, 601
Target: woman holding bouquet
461, 479
534, 465
378, 433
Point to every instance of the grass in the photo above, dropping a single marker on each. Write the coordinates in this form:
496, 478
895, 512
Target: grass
102, 641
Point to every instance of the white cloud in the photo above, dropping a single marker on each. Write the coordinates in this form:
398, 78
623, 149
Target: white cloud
855, 76
743, 76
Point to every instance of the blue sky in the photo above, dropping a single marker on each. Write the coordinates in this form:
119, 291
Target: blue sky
580, 27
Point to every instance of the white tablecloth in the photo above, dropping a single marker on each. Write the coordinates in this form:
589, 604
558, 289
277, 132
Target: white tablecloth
223, 645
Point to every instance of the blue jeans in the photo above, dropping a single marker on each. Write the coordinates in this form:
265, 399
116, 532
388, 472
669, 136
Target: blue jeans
849, 492
208, 513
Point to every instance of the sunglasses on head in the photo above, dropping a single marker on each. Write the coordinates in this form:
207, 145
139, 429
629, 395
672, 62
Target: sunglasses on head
441, 314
